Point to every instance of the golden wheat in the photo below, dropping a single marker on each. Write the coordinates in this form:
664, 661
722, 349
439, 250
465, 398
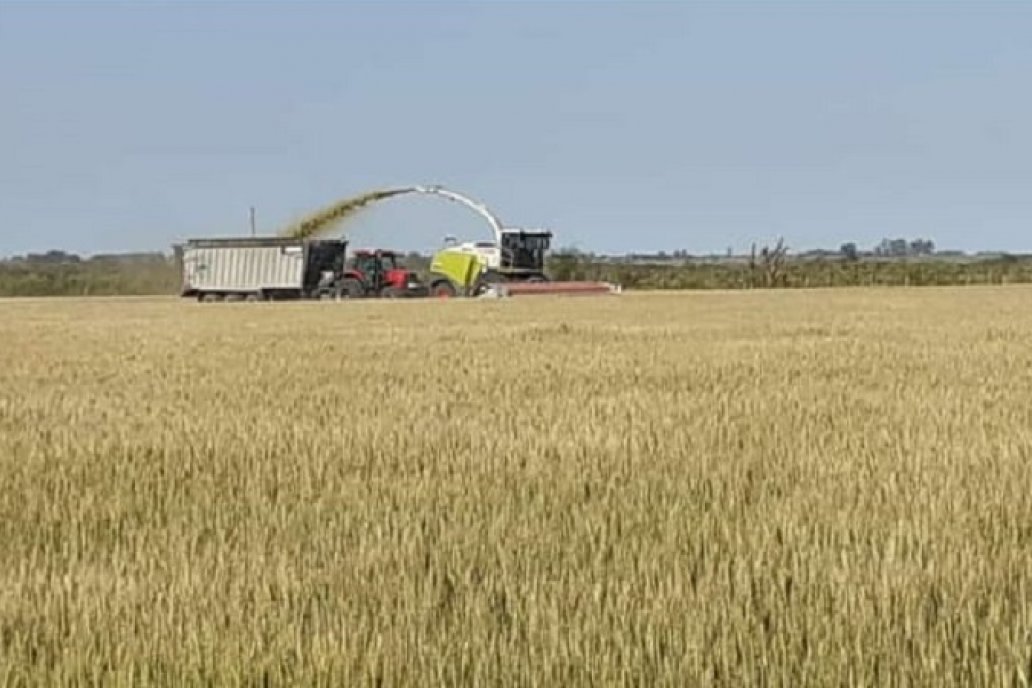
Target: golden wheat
808, 488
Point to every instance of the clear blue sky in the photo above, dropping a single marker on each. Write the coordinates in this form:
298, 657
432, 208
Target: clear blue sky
621, 126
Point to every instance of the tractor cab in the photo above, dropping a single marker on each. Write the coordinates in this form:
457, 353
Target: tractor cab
380, 272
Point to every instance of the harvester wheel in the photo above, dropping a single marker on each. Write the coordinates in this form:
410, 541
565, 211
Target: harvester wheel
442, 290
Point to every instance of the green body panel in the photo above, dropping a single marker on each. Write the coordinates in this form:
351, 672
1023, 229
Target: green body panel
462, 269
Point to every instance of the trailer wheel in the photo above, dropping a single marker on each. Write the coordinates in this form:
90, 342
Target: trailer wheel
253, 297
208, 297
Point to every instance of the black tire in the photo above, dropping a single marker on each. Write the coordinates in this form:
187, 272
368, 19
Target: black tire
390, 293
350, 288
491, 277
480, 286
442, 290
208, 297
253, 297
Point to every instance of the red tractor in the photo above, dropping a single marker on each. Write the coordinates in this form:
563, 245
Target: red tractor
378, 273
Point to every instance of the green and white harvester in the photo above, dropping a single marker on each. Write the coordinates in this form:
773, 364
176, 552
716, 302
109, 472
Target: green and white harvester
511, 265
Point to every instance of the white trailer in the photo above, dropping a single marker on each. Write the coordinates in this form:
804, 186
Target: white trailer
257, 269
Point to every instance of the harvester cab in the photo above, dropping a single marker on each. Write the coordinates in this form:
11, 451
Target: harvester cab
522, 253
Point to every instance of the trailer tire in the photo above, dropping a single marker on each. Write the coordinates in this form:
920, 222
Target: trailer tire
253, 297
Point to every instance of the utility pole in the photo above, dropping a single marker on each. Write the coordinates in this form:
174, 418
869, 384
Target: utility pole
252, 221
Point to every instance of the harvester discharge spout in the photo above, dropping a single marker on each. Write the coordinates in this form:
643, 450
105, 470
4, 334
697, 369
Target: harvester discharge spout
477, 207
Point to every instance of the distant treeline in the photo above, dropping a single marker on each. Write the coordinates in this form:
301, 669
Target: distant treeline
796, 273
59, 274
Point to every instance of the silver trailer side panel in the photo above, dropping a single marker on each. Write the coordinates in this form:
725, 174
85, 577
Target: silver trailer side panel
242, 268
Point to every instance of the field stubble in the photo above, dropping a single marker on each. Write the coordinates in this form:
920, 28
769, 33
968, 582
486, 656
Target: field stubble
790, 488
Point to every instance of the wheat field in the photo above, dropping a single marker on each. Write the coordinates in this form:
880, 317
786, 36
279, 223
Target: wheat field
751, 488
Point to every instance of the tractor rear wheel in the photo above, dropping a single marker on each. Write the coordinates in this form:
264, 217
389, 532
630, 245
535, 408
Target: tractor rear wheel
350, 288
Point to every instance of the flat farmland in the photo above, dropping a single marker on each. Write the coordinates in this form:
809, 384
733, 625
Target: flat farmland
743, 488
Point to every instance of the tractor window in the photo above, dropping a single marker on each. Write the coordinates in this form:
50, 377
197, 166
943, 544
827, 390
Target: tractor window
366, 264
388, 262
